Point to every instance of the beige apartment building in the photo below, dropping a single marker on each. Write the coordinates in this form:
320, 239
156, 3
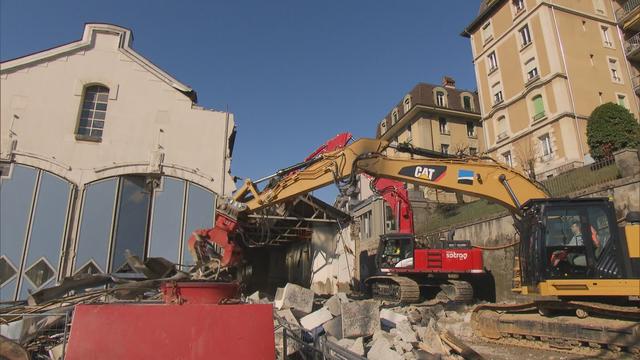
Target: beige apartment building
628, 16
436, 117
541, 68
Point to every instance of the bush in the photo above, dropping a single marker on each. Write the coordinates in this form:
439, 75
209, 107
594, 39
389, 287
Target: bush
611, 127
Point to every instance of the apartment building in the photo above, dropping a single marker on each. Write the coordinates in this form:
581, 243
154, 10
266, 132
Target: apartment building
436, 117
627, 14
541, 68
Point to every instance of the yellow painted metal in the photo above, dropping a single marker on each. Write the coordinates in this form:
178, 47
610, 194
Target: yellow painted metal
590, 287
632, 233
365, 156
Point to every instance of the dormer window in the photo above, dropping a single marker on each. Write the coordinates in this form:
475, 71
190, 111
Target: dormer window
394, 116
467, 104
406, 104
440, 100
93, 113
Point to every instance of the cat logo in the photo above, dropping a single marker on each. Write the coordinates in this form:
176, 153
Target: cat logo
427, 172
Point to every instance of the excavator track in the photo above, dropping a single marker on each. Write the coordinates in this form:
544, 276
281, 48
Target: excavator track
394, 288
457, 291
605, 327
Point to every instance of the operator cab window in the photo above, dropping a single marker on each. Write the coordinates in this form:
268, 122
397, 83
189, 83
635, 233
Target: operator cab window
397, 253
575, 241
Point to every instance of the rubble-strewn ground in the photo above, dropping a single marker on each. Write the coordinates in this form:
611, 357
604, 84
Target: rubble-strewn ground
382, 331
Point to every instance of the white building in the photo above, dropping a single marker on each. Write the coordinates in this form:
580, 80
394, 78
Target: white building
101, 151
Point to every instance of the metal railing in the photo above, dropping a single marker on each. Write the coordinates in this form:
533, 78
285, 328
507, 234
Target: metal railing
583, 177
539, 116
320, 349
632, 44
42, 335
635, 81
627, 8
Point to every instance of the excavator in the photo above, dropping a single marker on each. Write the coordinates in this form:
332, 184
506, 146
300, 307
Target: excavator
573, 257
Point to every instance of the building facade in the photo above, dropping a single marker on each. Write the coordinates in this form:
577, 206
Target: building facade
101, 152
628, 17
541, 68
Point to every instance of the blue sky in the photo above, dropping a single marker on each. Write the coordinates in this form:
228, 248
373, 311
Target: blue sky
294, 73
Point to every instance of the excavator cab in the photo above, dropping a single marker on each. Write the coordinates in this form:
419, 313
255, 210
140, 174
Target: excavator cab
564, 240
395, 251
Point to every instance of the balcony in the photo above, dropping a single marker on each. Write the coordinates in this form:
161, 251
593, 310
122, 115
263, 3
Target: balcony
632, 48
539, 116
636, 84
628, 16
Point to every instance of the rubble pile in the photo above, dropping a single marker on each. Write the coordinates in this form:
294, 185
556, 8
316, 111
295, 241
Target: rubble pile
368, 328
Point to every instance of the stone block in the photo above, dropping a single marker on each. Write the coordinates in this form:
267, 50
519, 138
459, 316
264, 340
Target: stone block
298, 298
334, 302
288, 316
628, 162
406, 333
381, 350
316, 319
391, 318
357, 347
278, 298
360, 318
346, 343
333, 327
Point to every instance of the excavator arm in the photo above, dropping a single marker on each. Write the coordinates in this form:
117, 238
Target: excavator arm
482, 178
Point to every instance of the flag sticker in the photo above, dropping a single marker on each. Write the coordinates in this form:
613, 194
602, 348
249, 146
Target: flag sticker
465, 177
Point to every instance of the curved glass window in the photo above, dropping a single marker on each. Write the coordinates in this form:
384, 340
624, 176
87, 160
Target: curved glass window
33, 219
199, 215
166, 226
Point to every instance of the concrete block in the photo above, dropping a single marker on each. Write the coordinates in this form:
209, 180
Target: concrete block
345, 343
333, 327
360, 318
316, 319
298, 298
431, 341
257, 298
381, 350
391, 318
406, 333
357, 347
288, 316
334, 302
278, 298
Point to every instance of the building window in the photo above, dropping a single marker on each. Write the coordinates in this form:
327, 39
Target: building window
622, 101
493, 61
501, 127
531, 68
409, 133
487, 32
440, 98
466, 103
599, 7
615, 71
507, 158
606, 36
525, 36
538, 107
471, 129
497, 98
545, 144
406, 104
444, 148
394, 116
94, 111
365, 233
518, 5
473, 151
444, 126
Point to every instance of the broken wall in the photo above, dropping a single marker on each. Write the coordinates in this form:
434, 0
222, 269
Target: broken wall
332, 259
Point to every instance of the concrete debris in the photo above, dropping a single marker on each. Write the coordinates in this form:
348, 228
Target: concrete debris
297, 298
390, 318
334, 303
257, 298
278, 299
346, 343
288, 316
357, 347
292, 346
333, 327
406, 333
414, 316
360, 318
381, 350
316, 319
431, 341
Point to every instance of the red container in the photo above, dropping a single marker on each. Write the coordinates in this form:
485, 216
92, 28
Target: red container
198, 292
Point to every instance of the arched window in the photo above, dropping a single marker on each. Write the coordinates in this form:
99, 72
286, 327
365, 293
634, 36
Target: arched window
93, 112
538, 107
394, 116
406, 103
466, 103
440, 98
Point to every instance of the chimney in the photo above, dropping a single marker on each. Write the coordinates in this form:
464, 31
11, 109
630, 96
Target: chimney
448, 82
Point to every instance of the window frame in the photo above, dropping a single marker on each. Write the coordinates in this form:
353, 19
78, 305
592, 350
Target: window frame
473, 133
607, 40
525, 36
614, 70
492, 61
546, 146
443, 126
92, 119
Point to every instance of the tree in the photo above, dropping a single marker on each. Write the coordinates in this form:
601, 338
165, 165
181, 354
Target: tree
527, 154
610, 128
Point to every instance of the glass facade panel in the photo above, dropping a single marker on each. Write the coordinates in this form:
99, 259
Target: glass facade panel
167, 220
47, 233
95, 227
16, 196
200, 211
131, 229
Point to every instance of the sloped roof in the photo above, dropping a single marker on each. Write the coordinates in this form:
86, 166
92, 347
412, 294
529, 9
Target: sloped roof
485, 9
86, 42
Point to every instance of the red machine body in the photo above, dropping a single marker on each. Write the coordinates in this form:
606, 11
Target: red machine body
448, 260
